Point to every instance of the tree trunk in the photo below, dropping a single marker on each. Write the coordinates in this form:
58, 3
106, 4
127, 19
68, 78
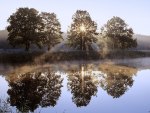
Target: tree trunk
27, 46
48, 48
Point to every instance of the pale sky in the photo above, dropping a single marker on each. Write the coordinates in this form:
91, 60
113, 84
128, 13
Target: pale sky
136, 13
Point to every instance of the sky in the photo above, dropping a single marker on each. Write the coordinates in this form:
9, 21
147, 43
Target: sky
136, 13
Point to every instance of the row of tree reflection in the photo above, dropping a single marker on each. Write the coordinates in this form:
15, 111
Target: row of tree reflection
43, 87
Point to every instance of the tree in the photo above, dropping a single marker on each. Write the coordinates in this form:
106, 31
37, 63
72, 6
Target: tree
25, 27
52, 29
118, 34
82, 32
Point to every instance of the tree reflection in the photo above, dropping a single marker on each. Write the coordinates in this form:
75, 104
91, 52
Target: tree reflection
82, 85
117, 80
35, 89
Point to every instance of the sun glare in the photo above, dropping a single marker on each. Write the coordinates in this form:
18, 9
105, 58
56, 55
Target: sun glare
82, 28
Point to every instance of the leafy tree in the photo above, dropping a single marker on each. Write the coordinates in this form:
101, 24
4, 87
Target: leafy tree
118, 34
82, 32
52, 29
25, 27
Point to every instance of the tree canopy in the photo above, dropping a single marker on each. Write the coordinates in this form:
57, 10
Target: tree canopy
82, 32
25, 26
52, 29
118, 34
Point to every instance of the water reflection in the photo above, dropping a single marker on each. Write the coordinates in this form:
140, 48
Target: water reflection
82, 85
116, 86
34, 87
116, 80
31, 90
4, 106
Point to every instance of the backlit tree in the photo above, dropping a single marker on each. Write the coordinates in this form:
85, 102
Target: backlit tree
82, 32
118, 34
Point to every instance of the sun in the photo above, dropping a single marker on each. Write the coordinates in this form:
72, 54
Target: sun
82, 28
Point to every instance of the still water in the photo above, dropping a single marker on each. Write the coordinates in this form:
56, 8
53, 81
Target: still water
105, 87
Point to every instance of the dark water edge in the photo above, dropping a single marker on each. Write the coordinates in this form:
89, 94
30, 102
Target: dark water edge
40, 57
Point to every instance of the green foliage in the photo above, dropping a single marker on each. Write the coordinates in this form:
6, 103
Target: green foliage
118, 35
52, 30
25, 27
82, 32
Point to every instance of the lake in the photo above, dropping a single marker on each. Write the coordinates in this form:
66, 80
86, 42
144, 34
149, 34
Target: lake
103, 86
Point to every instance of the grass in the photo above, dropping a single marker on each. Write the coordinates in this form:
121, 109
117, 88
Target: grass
12, 74
106, 67
112, 69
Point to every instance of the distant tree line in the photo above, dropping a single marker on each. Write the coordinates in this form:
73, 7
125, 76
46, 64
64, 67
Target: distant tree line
29, 27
